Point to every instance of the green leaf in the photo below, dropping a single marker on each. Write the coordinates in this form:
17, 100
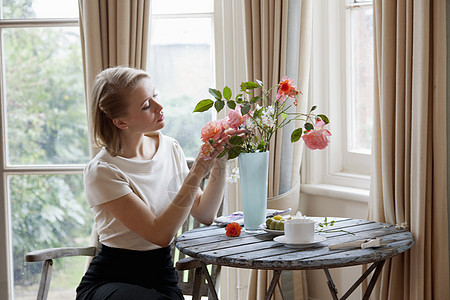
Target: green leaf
251, 85
324, 118
227, 93
284, 115
203, 105
255, 99
259, 82
248, 85
236, 140
296, 135
216, 93
313, 108
239, 98
309, 126
245, 108
219, 104
234, 152
231, 104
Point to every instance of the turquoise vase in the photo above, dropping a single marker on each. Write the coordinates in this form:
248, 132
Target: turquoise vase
253, 173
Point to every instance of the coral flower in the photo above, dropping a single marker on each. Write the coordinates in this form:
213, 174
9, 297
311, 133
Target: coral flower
235, 118
317, 138
233, 229
286, 87
212, 130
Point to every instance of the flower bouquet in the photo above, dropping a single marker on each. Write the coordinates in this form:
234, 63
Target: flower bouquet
260, 117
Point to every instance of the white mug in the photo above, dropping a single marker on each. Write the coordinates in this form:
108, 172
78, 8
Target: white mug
299, 231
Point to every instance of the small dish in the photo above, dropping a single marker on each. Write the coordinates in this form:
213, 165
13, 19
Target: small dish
317, 239
272, 231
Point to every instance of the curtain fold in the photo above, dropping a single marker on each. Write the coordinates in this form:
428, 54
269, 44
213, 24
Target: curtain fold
266, 44
113, 33
409, 147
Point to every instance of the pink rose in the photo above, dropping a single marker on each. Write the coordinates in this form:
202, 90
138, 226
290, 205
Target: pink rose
212, 130
317, 138
235, 118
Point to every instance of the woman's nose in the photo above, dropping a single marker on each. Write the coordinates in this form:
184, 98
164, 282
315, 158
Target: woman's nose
158, 105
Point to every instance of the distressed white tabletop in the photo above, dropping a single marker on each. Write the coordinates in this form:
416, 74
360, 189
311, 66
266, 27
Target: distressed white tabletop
259, 251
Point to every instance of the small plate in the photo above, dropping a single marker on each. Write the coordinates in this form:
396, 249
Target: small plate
275, 232
317, 239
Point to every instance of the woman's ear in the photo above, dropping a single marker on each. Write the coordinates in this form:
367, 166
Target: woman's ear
120, 124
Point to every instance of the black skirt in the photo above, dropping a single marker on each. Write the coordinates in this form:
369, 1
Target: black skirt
127, 274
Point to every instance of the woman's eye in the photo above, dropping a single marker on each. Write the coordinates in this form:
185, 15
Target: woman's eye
147, 106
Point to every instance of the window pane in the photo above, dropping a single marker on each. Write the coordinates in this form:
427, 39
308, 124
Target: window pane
46, 212
23, 9
361, 108
182, 6
181, 65
46, 112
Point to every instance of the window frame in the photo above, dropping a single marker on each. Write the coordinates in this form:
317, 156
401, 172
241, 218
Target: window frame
334, 172
6, 274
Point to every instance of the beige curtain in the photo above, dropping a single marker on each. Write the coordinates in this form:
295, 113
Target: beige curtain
266, 43
113, 33
409, 171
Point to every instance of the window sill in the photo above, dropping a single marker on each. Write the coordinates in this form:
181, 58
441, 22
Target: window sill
336, 192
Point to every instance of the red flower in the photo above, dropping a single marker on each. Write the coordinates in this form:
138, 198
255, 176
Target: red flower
286, 87
233, 229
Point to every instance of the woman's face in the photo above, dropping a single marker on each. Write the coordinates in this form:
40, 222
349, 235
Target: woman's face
144, 111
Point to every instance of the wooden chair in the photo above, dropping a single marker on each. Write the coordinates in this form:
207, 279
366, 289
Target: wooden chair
195, 284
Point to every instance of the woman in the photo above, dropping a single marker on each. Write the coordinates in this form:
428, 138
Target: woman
140, 190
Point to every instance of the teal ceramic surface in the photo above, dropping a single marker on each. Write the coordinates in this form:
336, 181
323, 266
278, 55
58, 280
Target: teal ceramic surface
253, 173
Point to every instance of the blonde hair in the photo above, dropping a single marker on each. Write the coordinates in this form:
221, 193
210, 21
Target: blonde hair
109, 94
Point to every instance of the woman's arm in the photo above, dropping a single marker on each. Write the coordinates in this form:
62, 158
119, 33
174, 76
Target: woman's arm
208, 202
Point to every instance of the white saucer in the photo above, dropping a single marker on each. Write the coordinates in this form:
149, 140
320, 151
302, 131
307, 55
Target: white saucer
317, 239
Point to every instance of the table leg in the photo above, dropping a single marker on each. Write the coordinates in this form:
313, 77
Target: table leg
378, 265
211, 287
273, 283
374, 278
331, 285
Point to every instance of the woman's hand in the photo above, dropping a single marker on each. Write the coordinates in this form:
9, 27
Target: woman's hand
202, 166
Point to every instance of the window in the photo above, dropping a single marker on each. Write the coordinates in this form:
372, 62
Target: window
182, 65
342, 83
44, 143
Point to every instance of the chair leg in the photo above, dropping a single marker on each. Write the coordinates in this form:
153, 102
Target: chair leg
46, 276
196, 286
